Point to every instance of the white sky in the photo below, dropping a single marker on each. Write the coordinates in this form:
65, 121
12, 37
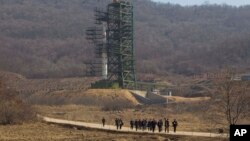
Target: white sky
198, 2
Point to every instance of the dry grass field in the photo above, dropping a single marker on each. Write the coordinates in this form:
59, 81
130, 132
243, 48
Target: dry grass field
110, 98
27, 87
69, 99
179, 99
49, 132
188, 121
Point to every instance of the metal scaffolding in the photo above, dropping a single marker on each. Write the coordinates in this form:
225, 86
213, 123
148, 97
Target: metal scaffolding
121, 63
119, 44
97, 35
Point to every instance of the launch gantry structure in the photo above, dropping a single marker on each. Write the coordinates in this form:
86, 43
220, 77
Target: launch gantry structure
113, 37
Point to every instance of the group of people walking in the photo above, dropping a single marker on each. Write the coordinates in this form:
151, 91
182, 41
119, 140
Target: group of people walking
119, 123
145, 124
151, 125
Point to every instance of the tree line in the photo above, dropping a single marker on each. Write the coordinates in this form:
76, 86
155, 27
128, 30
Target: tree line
46, 38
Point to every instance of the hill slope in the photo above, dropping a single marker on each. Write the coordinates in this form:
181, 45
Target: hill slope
107, 99
47, 38
66, 91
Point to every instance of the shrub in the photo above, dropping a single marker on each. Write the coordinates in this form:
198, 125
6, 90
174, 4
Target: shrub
115, 85
12, 109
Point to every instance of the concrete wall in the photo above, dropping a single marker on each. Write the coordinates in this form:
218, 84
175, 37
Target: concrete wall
149, 97
141, 99
155, 98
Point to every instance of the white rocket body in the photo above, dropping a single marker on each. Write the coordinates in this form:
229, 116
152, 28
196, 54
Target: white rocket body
104, 55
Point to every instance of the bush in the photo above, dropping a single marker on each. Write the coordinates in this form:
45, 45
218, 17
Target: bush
115, 85
12, 109
104, 84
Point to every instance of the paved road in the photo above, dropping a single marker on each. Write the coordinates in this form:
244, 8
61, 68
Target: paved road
125, 129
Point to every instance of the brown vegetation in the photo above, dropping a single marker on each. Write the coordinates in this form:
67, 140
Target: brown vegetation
12, 109
235, 101
229, 104
179, 99
43, 89
46, 38
232, 101
45, 132
67, 91
109, 99
190, 116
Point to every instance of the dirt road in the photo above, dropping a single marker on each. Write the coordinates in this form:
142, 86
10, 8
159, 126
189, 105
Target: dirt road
126, 129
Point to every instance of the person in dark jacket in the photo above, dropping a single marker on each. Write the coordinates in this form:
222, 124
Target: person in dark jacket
160, 124
120, 123
149, 125
132, 124
103, 121
117, 123
136, 124
175, 124
153, 124
166, 125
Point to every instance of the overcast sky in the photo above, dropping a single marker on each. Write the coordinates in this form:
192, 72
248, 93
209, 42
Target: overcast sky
198, 2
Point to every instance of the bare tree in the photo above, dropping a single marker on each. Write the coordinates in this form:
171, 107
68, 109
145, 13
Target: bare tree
233, 100
229, 104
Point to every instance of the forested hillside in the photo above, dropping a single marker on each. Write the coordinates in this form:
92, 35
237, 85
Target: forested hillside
46, 38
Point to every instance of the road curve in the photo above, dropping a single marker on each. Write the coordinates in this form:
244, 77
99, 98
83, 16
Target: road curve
126, 129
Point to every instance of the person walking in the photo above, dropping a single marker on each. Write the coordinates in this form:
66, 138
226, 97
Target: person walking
121, 123
136, 124
166, 125
175, 124
139, 124
144, 123
117, 123
103, 121
132, 124
153, 125
149, 125
160, 124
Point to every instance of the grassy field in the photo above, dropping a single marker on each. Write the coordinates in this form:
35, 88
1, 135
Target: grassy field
49, 132
188, 120
70, 99
178, 99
